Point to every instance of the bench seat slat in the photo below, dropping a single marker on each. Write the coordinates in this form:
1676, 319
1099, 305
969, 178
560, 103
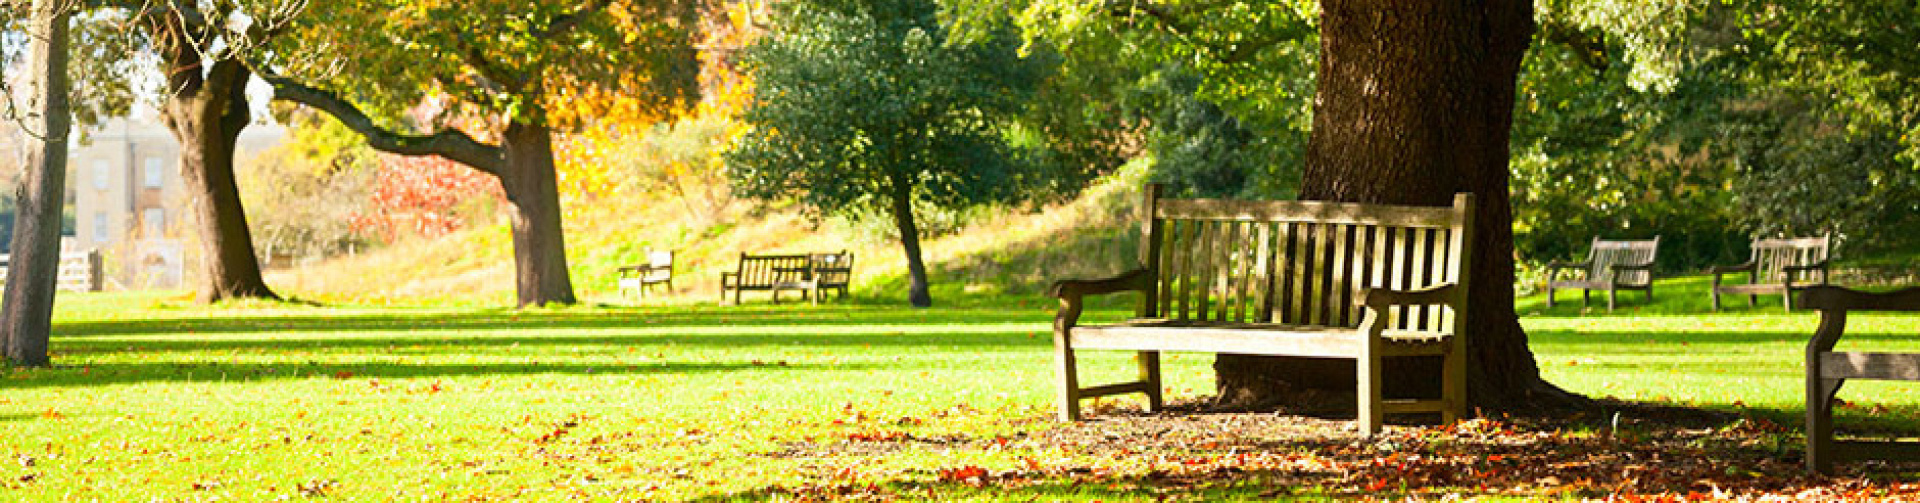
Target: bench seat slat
1880, 366
1247, 338
1753, 288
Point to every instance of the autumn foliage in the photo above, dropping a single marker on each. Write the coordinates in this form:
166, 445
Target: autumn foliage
425, 197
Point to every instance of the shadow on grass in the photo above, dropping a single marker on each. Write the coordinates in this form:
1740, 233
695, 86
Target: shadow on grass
599, 318
582, 345
132, 373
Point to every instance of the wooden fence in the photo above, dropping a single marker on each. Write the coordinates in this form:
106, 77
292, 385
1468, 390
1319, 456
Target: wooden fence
80, 271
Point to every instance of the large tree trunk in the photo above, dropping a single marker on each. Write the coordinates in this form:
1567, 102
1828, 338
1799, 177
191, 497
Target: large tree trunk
1415, 102
917, 294
533, 197
206, 111
26, 314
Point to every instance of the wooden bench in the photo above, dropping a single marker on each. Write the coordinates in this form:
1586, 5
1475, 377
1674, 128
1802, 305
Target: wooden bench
769, 273
1827, 369
1611, 265
657, 271
831, 271
1776, 266
1301, 278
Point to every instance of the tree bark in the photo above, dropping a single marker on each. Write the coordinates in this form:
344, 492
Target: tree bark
26, 313
917, 293
1415, 102
533, 197
206, 112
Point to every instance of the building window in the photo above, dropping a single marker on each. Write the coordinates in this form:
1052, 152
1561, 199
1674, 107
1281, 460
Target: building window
102, 174
99, 227
155, 222
154, 176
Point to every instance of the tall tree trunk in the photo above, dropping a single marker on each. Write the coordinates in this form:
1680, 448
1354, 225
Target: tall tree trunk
533, 197
1415, 102
26, 313
917, 294
206, 111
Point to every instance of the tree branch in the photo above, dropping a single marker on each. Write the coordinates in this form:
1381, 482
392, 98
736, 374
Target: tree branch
1175, 22
449, 143
1590, 46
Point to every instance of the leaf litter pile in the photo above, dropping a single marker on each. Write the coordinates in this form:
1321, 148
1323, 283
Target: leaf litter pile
1196, 457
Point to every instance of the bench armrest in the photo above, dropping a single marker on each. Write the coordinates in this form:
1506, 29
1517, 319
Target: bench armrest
1805, 271
644, 268
1833, 298
1554, 267
1070, 291
1131, 281
724, 276
1381, 298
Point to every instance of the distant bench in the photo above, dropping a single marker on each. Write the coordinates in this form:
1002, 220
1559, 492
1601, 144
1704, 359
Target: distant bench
1782, 266
810, 274
1362, 282
1611, 265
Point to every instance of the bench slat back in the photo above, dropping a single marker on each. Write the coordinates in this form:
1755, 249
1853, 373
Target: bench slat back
764, 270
1607, 252
832, 269
1297, 262
1772, 257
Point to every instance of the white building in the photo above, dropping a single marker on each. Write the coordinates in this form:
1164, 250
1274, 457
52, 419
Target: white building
130, 202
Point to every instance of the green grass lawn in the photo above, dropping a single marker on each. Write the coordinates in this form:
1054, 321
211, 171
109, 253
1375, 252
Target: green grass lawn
155, 399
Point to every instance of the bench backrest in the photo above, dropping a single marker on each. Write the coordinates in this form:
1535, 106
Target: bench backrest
659, 266
1299, 262
765, 270
833, 269
1772, 257
1605, 253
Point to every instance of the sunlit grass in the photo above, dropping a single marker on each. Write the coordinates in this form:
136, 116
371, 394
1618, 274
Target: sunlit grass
157, 399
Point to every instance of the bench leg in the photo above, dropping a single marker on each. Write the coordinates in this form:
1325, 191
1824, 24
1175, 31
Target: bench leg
1716, 299
1820, 448
1586, 297
1453, 384
1549, 295
1370, 416
1150, 373
1068, 400
1610, 299
1787, 297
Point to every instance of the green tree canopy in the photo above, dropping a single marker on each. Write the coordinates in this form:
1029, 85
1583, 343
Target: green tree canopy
867, 105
